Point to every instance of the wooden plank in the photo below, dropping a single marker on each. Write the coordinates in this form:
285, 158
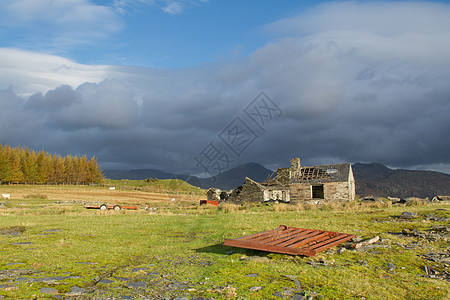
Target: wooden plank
261, 233
334, 243
262, 247
290, 240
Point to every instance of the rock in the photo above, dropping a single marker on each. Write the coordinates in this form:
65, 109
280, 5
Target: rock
391, 266
408, 215
298, 296
23, 243
49, 291
138, 284
178, 285
297, 283
260, 259
255, 288
75, 291
288, 292
139, 270
366, 242
341, 250
106, 281
251, 275
8, 287
278, 294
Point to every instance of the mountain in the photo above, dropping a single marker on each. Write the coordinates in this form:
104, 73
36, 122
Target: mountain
373, 179
236, 176
378, 180
137, 174
226, 181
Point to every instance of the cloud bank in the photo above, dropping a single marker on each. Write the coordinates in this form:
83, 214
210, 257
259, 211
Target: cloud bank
355, 81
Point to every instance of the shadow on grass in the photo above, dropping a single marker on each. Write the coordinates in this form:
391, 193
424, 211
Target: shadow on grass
228, 250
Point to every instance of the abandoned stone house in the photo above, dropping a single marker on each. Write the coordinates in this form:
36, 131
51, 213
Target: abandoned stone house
299, 183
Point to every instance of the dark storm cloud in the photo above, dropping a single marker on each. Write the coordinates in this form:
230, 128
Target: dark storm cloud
366, 90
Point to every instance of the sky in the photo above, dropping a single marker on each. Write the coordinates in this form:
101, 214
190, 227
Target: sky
200, 86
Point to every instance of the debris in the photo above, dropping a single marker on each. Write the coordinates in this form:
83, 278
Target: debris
291, 240
366, 242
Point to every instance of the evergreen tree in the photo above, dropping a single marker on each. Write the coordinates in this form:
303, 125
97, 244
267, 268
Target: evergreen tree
20, 165
6, 174
94, 173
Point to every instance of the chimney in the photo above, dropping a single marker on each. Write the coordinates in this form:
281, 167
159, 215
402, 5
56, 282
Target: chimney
295, 165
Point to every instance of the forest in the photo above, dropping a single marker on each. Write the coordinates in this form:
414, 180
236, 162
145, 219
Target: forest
21, 165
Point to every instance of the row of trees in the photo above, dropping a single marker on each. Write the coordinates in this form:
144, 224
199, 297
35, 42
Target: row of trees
20, 165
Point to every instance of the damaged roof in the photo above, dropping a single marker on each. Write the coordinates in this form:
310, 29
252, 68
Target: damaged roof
323, 173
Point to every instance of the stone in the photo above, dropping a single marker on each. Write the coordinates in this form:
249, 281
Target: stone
298, 296
251, 275
138, 284
278, 294
255, 288
391, 266
260, 259
408, 215
288, 292
178, 285
23, 243
341, 250
139, 270
8, 287
75, 291
49, 291
294, 278
106, 281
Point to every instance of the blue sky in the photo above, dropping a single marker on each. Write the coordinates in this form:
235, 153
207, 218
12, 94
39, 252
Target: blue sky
152, 83
162, 34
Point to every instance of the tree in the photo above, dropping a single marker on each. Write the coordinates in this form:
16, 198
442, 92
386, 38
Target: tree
6, 174
94, 173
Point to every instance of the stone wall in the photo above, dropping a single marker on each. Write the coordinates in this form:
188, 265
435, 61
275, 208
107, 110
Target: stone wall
251, 191
284, 175
213, 194
333, 191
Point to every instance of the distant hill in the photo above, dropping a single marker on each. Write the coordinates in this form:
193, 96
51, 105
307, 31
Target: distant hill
235, 177
371, 179
228, 180
378, 180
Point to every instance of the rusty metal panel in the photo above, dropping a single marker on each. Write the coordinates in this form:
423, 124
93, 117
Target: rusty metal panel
291, 240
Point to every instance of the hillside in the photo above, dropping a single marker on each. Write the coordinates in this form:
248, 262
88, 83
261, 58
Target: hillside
378, 180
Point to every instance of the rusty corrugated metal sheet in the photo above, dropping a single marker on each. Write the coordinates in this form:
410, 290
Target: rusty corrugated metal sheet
291, 240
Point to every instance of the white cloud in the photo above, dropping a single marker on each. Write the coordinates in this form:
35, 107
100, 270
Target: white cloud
29, 72
377, 30
68, 22
171, 7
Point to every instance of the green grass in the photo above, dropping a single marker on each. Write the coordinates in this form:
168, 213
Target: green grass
158, 185
183, 243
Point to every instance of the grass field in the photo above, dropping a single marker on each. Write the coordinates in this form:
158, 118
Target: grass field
52, 247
